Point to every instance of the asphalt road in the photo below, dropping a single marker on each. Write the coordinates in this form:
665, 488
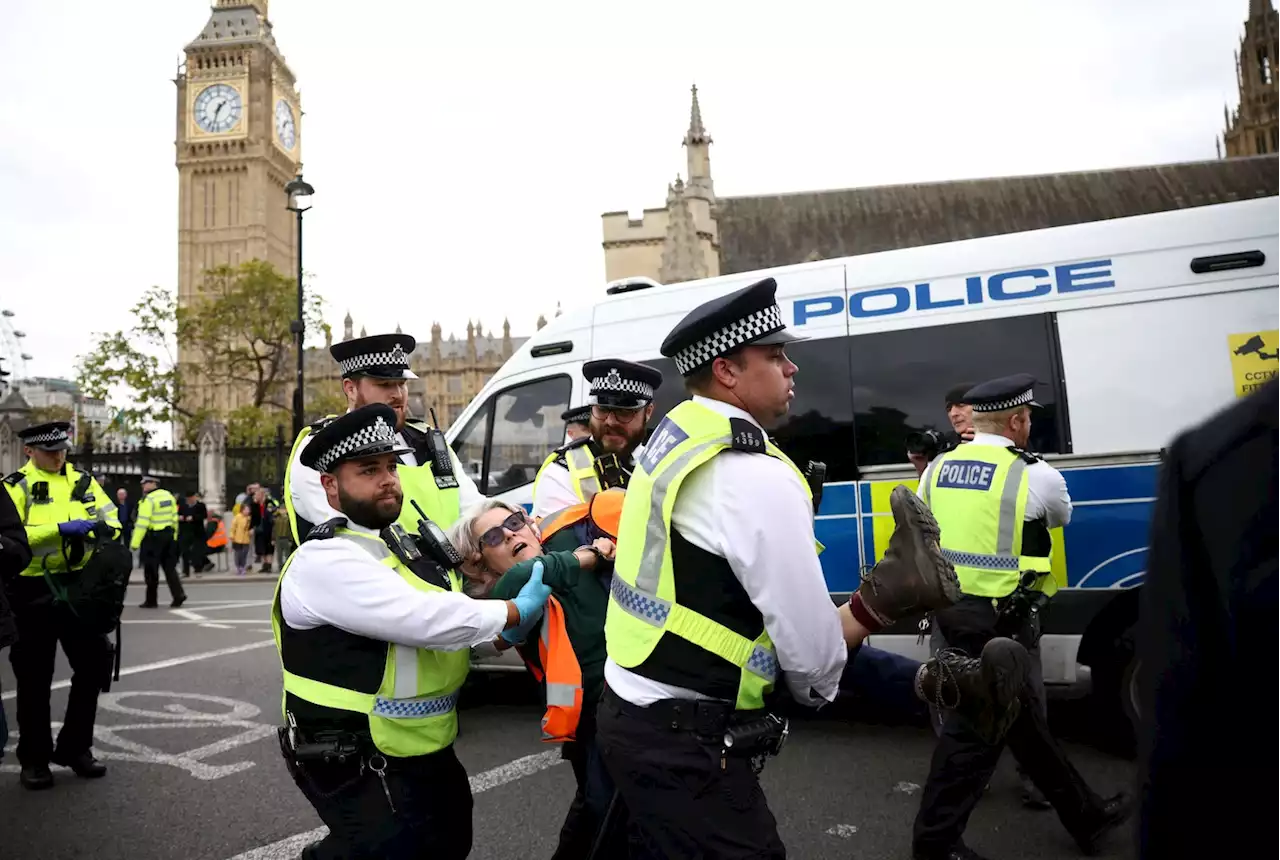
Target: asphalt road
195, 771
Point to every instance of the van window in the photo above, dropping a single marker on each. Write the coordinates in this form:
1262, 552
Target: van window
513, 432
900, 379
819, 425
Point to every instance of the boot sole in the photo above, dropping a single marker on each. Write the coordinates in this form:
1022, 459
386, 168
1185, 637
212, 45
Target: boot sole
938, 575
1006, 665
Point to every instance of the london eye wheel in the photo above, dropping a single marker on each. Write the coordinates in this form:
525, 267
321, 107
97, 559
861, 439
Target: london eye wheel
13, 357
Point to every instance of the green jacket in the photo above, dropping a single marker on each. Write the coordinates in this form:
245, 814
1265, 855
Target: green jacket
585, 599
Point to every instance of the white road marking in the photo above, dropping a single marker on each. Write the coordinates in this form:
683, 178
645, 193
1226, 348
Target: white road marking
844, 831
167, 664
289, 848
202, 622
111, 746
218, 626
907, 787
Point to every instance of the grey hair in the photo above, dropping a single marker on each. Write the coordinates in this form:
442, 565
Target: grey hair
461, 534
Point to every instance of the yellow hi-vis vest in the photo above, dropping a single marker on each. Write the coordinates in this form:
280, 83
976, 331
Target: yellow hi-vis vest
643, 604
414, 709
157, 511
41, 518
418, 483
581, 465
978, 495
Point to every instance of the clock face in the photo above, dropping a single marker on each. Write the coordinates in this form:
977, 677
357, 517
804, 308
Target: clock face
286, 131
218, 108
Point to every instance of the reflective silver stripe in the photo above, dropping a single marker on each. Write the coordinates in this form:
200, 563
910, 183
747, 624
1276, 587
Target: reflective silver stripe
563, 695
405, 658
655, 530
1009, 507
982, 560
926, 479
416, 708
105, 509
26, 495
580, 460
649, 608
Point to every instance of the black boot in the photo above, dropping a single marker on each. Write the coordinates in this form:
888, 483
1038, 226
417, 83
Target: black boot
178, 601
84, 764
1113, 812
984, 691
913, 577
36, 777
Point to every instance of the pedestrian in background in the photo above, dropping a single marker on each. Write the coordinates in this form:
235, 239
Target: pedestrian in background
126, 510
242, 536
283, 537
15, 555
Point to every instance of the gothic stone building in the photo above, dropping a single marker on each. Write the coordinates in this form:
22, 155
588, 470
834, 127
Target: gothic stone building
450, 371
697, 234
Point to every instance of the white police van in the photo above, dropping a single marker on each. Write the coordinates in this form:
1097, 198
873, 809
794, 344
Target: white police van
1135, 328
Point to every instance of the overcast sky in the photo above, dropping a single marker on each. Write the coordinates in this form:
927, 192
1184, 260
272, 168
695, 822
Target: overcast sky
462, 153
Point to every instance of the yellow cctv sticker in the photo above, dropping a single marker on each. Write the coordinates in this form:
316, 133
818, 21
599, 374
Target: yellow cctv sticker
1255, 358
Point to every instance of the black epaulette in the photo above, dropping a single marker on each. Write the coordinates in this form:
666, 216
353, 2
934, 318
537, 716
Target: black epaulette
1027, 457
321, 424
569, 446
326, 529
745, 436
14, 480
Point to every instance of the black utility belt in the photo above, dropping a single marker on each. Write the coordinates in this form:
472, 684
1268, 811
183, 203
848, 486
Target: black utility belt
326, 747
737, 733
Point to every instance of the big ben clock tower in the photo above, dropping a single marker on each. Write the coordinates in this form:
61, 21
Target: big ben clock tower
239, 142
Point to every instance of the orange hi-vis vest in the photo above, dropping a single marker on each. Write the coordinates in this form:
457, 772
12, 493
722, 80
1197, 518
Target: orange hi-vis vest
560, 670
219, 536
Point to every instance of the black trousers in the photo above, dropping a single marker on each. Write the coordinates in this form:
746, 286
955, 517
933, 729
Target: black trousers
193, 549
591, 801
41, 626
431, 816
681, 799
160, 549
963, 763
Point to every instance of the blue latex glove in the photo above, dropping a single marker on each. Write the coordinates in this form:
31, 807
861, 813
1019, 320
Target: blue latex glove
76, 528
530, 602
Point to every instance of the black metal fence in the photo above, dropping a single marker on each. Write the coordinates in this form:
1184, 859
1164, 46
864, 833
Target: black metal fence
178, 469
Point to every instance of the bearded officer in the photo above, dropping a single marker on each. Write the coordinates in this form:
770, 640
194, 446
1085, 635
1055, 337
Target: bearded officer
374, 637
59, 506
375, 369
996, 504
718, 590
621, 395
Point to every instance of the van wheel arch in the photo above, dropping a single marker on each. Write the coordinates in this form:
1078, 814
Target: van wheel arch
1109, 649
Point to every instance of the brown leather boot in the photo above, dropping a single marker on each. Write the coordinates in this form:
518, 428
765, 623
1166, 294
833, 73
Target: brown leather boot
984, 691
913, 578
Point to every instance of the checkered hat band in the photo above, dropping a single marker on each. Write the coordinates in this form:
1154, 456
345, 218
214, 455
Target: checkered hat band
752, 327
51, 436
1001, 405
356, 363
371, 434
604, 385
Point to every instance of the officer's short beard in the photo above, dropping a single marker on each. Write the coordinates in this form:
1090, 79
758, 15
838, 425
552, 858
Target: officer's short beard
370, 513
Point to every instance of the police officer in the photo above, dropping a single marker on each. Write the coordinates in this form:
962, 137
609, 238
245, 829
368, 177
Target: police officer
621, 395
155, 534
717, 591
577, 422
374, 639
59, 506
996, 503
375, 369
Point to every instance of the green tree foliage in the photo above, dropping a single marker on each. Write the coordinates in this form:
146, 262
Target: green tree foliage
43, 414
236, 329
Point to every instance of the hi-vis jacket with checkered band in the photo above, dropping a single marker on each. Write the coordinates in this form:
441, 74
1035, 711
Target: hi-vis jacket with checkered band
677, 614
978, 495
411, 706
45, 499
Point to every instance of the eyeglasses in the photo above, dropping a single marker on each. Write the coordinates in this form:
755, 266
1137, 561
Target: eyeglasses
621, 415
496, 535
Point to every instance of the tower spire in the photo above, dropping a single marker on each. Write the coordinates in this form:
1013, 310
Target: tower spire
697, 132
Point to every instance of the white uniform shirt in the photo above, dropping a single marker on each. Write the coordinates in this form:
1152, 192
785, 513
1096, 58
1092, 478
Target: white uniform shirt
311, 504
1047, 496
751, 510
337, 582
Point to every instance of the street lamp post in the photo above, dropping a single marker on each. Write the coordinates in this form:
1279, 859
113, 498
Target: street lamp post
299, 201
